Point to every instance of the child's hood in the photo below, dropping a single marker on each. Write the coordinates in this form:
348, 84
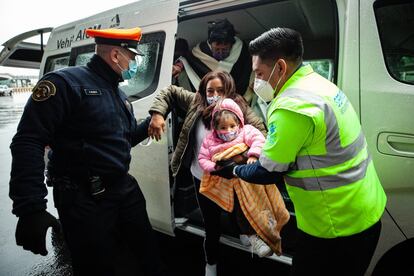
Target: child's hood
230, 105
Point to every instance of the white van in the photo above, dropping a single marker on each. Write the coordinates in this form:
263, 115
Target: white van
365, 46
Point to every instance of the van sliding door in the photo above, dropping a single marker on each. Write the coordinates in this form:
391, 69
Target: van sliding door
150, 161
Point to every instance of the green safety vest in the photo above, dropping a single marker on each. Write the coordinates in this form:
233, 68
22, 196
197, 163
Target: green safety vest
333, 183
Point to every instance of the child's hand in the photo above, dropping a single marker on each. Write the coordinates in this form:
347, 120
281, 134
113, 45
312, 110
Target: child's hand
251, 159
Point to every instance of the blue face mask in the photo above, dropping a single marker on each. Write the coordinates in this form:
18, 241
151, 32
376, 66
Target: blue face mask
131, 71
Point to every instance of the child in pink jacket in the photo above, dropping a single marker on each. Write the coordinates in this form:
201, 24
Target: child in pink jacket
228, 130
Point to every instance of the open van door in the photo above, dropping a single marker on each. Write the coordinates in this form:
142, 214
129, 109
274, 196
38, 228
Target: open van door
69, 45
17, 53
150, 159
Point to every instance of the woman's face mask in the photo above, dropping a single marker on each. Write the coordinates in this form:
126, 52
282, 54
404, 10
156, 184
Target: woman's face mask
263, 89
132, 69
211, 100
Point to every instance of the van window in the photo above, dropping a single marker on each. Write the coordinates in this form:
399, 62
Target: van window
56, 62
323, 67
83, 58
146, 80
395, 22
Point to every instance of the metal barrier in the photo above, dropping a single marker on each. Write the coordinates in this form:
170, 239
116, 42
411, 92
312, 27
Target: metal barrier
21, 89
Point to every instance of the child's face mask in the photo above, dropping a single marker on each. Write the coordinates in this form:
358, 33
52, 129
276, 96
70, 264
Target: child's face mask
226, 135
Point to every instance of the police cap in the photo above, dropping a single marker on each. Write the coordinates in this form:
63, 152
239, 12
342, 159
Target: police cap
126, 38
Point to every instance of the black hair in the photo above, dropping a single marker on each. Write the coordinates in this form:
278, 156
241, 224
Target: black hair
221, 31
278, 43
224, 113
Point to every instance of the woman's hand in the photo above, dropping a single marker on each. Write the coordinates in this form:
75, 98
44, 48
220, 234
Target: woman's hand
156, 126
251, 160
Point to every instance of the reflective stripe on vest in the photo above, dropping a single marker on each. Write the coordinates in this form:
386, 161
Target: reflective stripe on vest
331, 181
336, 154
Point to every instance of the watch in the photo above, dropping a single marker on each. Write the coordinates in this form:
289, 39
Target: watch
234, 171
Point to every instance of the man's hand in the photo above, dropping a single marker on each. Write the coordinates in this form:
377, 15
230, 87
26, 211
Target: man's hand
225, 171
156, 126
31, 231
251, 160
177, 69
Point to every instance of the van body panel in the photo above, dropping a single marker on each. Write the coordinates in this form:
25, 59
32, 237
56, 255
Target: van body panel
387, 121
150, 162
348, 57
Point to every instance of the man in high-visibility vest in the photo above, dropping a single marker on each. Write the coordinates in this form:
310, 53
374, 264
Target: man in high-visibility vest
315, 141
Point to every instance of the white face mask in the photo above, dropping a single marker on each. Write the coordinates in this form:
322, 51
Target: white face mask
263, 89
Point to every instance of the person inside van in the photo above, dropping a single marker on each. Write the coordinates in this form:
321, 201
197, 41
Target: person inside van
198, 108
260, 211
222, 50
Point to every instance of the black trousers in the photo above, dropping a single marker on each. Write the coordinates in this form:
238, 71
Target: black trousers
94, 229
211, 215
339, 256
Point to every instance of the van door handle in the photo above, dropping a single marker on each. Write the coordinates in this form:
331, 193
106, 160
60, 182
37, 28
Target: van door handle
146, 142
396, 144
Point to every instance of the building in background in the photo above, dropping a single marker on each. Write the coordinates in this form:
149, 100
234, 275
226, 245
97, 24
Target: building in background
18, 83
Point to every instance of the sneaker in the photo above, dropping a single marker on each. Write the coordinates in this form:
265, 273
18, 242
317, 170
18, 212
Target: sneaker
244, 239
211, 270
259, 246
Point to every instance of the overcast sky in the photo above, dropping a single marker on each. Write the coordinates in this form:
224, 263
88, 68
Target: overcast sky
19, 16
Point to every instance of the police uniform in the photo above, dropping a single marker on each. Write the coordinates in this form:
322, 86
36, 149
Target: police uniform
89, 125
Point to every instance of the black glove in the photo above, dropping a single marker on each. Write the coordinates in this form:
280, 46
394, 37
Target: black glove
225, 171
31, 231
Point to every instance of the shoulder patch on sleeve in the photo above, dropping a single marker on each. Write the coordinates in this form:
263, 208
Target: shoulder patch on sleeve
43, 90
271, 134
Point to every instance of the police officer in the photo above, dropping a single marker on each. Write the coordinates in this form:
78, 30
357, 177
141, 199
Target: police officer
315, 141
90, 127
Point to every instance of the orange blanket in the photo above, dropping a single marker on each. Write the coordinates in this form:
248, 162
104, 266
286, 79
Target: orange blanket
262, 205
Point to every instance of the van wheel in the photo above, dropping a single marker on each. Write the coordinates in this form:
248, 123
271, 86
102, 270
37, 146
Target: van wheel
397, 260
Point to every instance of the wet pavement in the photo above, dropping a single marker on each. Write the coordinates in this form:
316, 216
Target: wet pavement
13, 259
182, 255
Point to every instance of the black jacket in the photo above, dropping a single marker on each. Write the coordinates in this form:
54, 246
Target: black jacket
88, 124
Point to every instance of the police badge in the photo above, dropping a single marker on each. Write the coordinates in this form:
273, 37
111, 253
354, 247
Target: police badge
43, 90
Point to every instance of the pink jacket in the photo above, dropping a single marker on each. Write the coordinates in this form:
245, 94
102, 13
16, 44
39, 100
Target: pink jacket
248, 134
